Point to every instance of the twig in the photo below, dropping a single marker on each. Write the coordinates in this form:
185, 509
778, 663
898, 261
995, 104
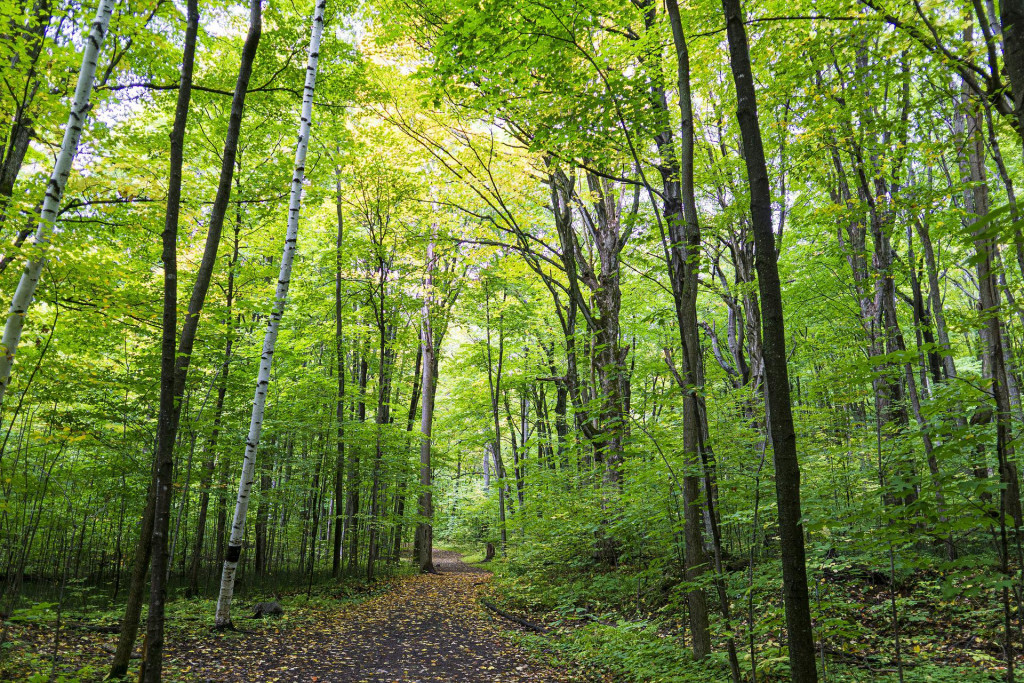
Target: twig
513, 618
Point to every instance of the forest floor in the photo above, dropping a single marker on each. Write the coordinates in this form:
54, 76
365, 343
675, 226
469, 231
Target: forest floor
423, 628
427, 628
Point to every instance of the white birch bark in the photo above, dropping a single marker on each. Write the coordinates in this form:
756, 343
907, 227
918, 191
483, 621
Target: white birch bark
54, 191
234, 550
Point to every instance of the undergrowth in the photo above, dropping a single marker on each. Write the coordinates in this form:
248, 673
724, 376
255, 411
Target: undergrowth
625, 621
88, 633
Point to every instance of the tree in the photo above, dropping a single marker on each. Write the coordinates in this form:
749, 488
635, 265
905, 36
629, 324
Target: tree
167, 420
424, 530
186, 341
777, 399
234, 551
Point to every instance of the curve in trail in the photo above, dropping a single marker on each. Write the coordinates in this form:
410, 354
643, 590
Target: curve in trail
428, 628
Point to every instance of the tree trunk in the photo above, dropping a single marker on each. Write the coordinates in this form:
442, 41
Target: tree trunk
209, 467
935, 295
339, 349
494, 382
260, 561
1011, 15
188, 332
20, 135
383, 416
167, 421
222, 509
352, 504
922, 319
988, 297
315, 500
136, 591
234, 551
202, 283
414, 403
425, 530
683, 255
803, 668
10, 167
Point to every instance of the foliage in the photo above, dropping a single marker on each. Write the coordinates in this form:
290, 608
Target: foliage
533, 148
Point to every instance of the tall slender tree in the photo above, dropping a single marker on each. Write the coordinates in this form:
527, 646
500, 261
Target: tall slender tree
339, 350
683, 255
234, 551
425, 530
166, 422
183, 356
803, 666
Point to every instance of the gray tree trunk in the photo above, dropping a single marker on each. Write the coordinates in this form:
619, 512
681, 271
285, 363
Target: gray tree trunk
425, 530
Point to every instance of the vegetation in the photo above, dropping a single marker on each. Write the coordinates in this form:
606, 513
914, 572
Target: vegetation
701, 325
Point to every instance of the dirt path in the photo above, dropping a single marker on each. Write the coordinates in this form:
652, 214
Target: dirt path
428, 628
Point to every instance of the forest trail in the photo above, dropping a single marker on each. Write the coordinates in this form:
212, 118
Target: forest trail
427, 628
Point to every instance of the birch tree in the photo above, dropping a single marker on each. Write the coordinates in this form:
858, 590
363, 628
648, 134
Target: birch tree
234, 551
54, 191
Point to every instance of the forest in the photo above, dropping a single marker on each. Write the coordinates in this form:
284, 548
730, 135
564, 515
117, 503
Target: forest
512, 340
